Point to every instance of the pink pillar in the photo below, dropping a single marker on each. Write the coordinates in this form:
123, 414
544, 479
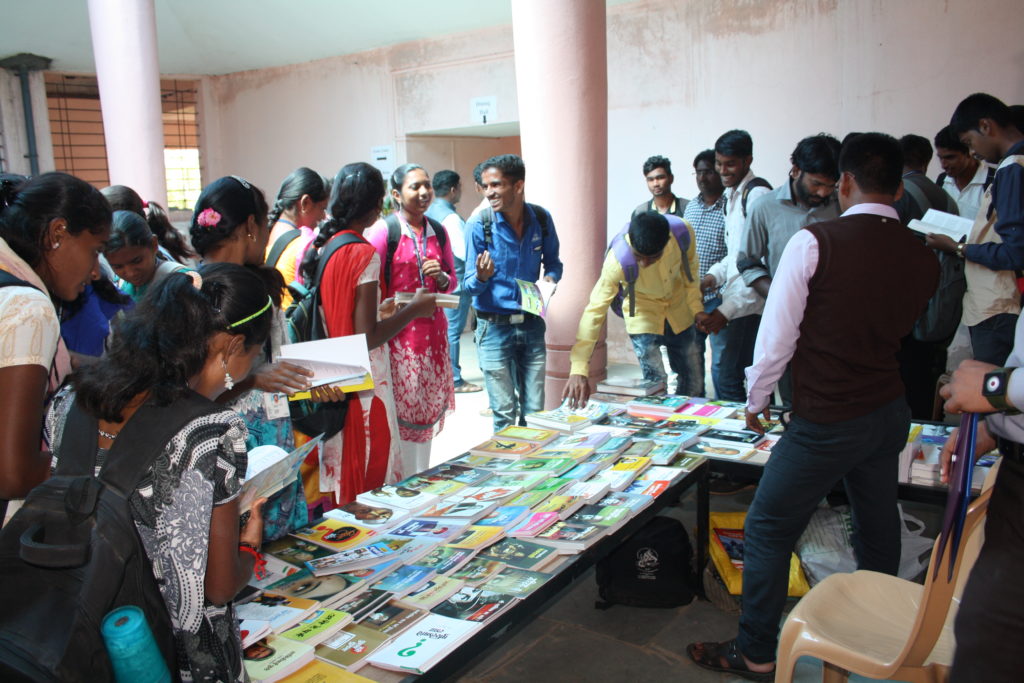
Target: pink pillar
128, 70
562, 87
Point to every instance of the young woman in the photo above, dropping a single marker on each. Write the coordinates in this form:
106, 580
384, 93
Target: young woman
420, 362
172, 245
52, 230
178, 342
131, 253
301, 204
229, 225
365, 455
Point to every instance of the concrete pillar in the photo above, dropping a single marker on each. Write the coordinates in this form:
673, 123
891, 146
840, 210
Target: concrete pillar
562, 87
124, 45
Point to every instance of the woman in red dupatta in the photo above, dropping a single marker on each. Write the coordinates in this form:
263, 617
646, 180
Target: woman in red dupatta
365, 454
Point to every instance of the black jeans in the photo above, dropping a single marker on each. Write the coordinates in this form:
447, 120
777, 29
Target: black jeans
992, 339
990, 624
808, 461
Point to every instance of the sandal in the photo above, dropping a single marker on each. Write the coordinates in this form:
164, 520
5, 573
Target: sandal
711, 655
468, 388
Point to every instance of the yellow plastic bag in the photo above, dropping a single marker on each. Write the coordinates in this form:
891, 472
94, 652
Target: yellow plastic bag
732, 576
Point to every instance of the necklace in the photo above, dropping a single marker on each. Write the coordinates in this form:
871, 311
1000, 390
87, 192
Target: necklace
106, 435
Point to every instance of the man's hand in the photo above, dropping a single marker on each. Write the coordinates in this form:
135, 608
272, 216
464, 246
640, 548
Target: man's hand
711, 323
548, 278
941, 242
754, 424
983, 443
484, 266
963, 393
707, 282
282, 376
577, 390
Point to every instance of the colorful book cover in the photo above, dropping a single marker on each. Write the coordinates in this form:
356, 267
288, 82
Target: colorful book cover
436, 486
537, 436
731, 541
554, 466
397, 496
577, 454
528, 499
408, 549
429, 528
392, 618
517, 582
404, 580
634, 501
617, 480
303, 584
335, 534
366, 515
664, 453
583, 471
317, 626
464, 474
651, 489
482, 462
295, 551
588, 490
444, 559
662, 473
615, 444
361, 604
319, 671
476, 537
563, 505
433, 593
632, 463
519, 553
583, 439
518, 480
638, 449
351, 646
420, 647
275, 570
474, 604
504, 448
506, 516
351, 559
281, 611
275, 657
478, 570
460, 510
574, 535
746, 437
534, 524
486, 494
719, 449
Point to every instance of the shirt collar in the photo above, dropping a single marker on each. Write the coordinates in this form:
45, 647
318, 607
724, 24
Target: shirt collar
883, 210
1016, 149
718, 202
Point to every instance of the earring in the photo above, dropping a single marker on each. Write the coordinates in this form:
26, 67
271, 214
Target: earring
229, 381
252, 237
55, 247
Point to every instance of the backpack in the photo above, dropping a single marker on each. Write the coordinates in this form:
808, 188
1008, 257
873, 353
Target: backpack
652, 568
941, 316
487, 222
630, 269
989, 177
304, 321
754, 182
280, 244
72, 553
395, 235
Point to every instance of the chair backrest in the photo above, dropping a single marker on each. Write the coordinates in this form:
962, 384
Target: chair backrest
938, 592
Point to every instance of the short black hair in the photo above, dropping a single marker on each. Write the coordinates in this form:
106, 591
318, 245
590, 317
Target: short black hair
818, 154
478, 173
648, 232
735, 143
946, 139
657, 161
444, 182
875, 160
1017, 114
707, 155
510, 165
917, 151
971, 110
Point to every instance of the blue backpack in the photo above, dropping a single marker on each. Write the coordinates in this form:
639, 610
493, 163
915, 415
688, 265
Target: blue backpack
630, 269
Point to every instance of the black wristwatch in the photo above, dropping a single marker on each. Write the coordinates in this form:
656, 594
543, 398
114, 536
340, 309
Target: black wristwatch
994, 389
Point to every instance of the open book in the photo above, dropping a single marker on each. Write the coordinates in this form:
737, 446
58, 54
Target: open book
270, 469
942, 223
535, 296
343, 362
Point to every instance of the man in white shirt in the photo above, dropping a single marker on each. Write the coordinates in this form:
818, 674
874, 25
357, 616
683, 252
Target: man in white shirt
739, 314
963, 177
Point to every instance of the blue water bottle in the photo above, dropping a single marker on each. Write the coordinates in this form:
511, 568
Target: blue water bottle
132, 649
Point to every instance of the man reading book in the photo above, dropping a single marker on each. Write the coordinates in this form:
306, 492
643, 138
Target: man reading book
833, 314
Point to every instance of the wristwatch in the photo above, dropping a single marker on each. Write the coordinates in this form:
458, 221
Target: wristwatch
994, 389
960, 249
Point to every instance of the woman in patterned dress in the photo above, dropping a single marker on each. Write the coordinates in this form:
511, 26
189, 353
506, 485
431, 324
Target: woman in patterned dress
179, 342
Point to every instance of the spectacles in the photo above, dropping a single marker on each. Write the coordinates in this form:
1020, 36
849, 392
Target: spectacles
706, 171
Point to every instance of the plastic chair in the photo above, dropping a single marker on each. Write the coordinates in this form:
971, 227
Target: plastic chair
881, 626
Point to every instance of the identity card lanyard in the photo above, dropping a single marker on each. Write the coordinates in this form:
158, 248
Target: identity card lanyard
415, 245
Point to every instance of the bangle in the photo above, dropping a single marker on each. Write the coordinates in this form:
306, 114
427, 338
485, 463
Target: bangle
259, 564
960, 249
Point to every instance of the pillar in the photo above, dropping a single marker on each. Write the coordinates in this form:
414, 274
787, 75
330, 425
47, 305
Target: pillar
124, 45
562, 88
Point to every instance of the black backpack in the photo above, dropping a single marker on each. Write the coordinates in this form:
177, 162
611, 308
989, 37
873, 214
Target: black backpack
487, 222
652, 568
280, 244
72, 553
395, 236
756, 181
305, 323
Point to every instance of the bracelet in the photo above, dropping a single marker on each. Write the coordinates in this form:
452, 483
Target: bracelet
259, 567
960, 249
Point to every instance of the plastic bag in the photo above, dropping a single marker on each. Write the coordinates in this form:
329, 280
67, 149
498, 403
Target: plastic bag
733, 577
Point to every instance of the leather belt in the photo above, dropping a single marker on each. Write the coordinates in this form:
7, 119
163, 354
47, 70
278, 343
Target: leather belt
504, 318
1011, 450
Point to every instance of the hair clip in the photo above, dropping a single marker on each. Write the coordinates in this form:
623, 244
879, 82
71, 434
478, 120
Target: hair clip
243, 182
208, 218
255, 315
197, 279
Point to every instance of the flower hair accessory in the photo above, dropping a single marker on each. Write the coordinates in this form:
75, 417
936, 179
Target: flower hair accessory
197, 279
208, 218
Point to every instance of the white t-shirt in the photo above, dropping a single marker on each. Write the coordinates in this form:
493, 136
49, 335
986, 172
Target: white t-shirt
29, 329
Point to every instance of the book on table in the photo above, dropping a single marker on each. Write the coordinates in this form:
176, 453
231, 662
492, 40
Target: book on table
274, 657
516, 582
563, 505
505, 448
475, 603
611, 517
421, 647
326, 590
318, 626
319, 671
632, 386
541, 437
392, 495
335, 534
404, 580
506, 516
352, 559
351, 647
941, 223
478, 571
464, 474
523, 481
369, 515
520, 553
721, 450
534, 524
281, 611
252, 630
392, 618
342, 362
571, 536
269, 469
445, 559
588, 491
431, 594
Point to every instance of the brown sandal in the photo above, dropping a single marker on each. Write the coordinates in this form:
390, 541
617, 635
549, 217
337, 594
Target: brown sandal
725, 658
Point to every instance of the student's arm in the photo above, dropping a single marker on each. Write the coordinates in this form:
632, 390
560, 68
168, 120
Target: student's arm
228, 569
692, 293
1008, 201
753, 253
552, 264
577, 389
378, 332
478, 276
22, 464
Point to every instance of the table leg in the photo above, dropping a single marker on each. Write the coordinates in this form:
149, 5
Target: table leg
703, 517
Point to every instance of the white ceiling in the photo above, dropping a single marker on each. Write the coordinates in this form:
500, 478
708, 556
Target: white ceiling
223, 36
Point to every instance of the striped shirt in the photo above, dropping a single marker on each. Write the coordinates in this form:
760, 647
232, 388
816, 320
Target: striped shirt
709, 226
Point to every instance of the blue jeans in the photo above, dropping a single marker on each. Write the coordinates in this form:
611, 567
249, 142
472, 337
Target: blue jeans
682, 358
992, 339
717, 346
456, 324
737, 354
513, 359
808, 461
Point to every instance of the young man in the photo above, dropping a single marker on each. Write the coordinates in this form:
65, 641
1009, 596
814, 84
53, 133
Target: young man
447, 193
740, 311
658, 174
994, 251
706, 213
509, 240
963, 177
666, 299
919, 192
849, 420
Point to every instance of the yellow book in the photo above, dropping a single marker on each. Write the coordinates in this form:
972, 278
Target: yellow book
319, 671
367, 383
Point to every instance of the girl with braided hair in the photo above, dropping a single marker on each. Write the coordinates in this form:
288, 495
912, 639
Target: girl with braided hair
300, 205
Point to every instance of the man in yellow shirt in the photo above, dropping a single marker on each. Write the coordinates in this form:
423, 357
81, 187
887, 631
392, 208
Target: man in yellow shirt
666, 298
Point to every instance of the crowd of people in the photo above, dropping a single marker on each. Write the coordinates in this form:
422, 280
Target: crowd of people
814, 286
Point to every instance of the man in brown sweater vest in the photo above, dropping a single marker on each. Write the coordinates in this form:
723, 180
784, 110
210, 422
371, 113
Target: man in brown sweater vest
845, 293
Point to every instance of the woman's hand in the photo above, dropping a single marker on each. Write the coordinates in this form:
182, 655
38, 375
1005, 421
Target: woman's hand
282, 376
387, 308
327, 394
423, 303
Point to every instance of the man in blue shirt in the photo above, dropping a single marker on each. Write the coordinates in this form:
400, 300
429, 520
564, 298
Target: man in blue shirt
507, 242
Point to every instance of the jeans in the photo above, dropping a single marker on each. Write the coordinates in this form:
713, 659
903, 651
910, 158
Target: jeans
737, 354
717, 345
806, 463
682, 358
456, 324
513, 359
992, 339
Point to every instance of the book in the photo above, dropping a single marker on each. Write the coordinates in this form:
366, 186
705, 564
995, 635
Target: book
506, 516
363, 603
562, 418
523, 481
404, 580
461, 511
474, 603
649, 489
517, 582
482, 462
408, 549
445, 559
633, 386
435, 486
274, 570
745, 437
664, 453
351, 559
374, 516
583, 471
634, 501
431, 594
615, 480
582, 439
571, 536
421, 647
562, 505
492, 493
321, 357
638, 449
391, 495
534, 524
707, 409
534, 297
435, 529
719, 450
252, 630
391, 618
294, 551
941, 223
441, 299
611, 517
660, 406
269, 469
589, 490
324, 589
281, 611
553, 466
319, 671
334, 534
273, 658
350, 647
731, 541
478, 570
504, 448
519, 553
318, 626
662, 473
470, 476
476, 537
541, 437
